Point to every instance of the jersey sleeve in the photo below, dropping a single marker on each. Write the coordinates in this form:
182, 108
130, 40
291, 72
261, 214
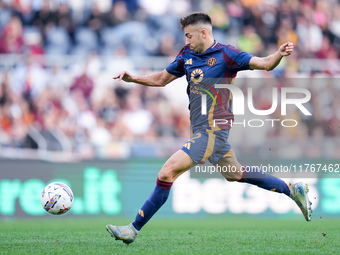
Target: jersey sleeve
177, 66
240, 59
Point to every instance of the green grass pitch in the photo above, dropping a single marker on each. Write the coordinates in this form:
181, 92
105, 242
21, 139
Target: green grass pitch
212, 235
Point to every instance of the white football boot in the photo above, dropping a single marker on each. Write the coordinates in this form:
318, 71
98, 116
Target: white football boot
125, 233
299, 193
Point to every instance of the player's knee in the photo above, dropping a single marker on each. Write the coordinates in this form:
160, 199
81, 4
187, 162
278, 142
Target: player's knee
166, 174
164, 177
233, 177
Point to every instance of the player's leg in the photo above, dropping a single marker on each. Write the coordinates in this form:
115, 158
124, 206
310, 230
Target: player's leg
198, 147
233, 168
177, 164
254, 175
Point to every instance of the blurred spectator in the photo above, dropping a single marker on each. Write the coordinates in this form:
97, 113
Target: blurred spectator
64, 19
84, 84
11, 40
28, 78
310, 36
286, 33
108, 108
131, 5
322, 13
33, 41
100, 135
44, 17
236, 13
117, 15
166, 46
158, 8
327, 50
135, 117
4, 90
5, 117
249, 41
95, 20
332, 124
219, 17
334, 25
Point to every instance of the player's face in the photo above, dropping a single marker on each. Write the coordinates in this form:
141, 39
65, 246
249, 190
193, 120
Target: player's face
194, 38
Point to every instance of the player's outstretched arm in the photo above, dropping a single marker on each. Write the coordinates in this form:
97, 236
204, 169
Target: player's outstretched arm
154, 80
270, 62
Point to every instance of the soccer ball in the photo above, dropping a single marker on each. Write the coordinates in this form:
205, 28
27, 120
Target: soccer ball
57, 198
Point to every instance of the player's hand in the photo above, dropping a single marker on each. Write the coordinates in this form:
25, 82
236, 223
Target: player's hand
125, 76
286, 49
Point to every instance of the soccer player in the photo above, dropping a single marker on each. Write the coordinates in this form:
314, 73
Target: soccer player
206, 63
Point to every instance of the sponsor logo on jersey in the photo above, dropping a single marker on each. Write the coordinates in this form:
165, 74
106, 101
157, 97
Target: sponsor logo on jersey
196, 76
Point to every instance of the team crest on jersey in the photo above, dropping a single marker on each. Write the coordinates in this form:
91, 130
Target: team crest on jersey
212, 61
196, 76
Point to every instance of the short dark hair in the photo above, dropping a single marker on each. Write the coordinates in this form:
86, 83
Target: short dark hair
195, 18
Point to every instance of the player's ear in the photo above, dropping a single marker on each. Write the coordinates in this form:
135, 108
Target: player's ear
204, 33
